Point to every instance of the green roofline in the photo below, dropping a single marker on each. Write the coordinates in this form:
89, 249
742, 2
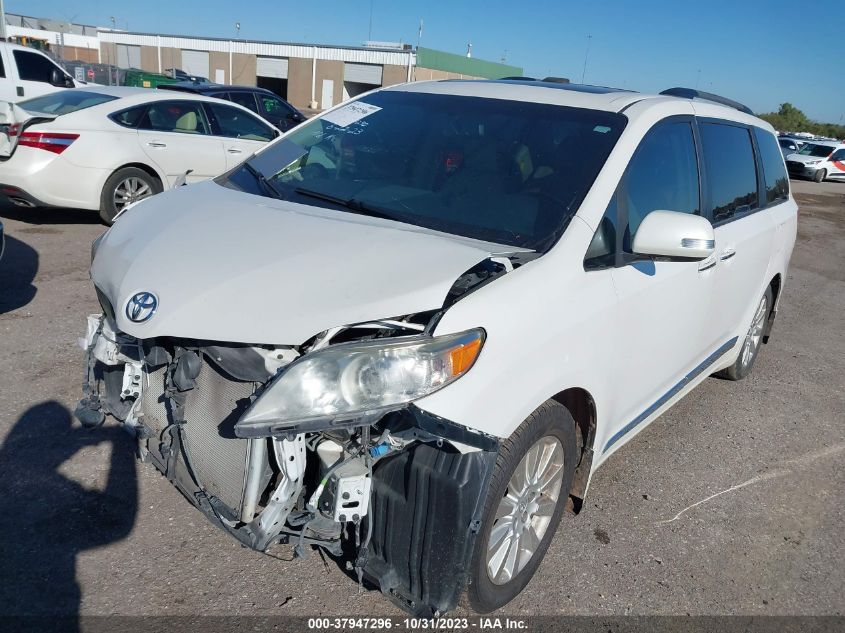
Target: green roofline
449, 62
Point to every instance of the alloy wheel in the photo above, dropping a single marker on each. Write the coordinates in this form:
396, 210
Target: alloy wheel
130, 190
526, 510
755, 333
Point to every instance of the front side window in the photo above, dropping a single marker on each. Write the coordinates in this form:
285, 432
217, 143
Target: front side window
2, 70
838, 155
65, 101
731, 169
662, 176
774, 171
508, 172
34, 67
183, 117
234, 123
273, 106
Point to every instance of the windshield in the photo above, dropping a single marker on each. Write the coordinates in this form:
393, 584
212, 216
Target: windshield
508, 172
816, 150
65, 101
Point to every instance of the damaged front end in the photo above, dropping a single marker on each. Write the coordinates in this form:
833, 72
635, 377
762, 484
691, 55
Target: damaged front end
308, 445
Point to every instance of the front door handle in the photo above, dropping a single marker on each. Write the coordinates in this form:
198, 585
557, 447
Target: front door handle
707, 263
157, 144
234, 150
727, 254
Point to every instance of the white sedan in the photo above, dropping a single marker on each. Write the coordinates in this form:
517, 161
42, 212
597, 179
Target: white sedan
105, 147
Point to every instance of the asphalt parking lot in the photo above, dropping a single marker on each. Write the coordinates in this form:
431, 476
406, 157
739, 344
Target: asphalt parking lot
732, 503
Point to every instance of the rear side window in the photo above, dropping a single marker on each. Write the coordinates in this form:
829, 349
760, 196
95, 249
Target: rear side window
245, 99
184, 117
129, 118
774, 171
731, 169
235, 123
33, 67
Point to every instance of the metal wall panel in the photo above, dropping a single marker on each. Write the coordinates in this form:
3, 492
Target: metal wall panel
128, 56
195, 62
363, 73
271, 67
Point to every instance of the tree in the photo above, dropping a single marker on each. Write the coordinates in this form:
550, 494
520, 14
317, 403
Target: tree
788, 118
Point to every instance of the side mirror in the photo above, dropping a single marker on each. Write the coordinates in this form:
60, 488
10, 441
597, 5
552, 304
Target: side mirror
676, 235
59, 79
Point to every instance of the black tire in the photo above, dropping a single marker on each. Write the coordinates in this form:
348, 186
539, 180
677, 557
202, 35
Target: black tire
820, 175
108, 207
550, 420
743, 365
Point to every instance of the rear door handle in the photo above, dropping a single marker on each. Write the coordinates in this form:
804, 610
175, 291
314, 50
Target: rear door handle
727, 254
234, 150
157, 144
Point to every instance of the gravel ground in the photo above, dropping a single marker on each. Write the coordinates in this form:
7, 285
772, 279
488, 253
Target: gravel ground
731, 503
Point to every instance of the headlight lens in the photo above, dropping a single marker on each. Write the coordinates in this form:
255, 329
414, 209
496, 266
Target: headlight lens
812, 162
354, 379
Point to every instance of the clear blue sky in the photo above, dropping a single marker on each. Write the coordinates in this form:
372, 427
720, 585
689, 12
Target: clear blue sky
760, 53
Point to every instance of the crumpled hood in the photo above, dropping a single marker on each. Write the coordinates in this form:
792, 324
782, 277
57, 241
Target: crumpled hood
231, 266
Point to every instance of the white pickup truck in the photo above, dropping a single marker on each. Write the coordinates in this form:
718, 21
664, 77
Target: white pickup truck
26, 72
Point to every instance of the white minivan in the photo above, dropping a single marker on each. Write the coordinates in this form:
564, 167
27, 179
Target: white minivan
26, 72
411, 329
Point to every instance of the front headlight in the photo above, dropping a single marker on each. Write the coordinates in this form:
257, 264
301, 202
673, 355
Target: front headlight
812, 162
352, 380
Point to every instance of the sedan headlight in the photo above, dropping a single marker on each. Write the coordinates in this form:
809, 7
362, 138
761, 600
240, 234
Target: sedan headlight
812, 162
354, 380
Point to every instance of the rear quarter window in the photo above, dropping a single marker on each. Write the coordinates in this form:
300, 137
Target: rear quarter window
774, 171
65, 101
731, 169
129, 117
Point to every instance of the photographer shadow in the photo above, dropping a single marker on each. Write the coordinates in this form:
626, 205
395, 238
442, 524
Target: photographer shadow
47, 519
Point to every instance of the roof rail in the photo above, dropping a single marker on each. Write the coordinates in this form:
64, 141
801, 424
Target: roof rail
689, 93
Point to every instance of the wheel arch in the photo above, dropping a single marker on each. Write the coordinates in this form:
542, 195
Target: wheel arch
143, 167
582, 407
775, 284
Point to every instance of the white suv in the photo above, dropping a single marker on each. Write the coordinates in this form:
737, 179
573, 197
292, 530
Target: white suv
421, 321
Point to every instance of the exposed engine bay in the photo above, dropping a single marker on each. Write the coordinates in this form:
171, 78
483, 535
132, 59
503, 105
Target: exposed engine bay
398, 493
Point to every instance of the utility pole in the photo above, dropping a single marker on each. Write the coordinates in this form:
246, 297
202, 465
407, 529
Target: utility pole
370, 32
2, 22
586, 55
698, 79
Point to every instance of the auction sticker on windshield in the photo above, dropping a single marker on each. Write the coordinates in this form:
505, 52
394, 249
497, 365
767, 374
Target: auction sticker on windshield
349, 114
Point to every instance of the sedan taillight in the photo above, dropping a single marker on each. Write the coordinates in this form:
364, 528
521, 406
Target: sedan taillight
51, 141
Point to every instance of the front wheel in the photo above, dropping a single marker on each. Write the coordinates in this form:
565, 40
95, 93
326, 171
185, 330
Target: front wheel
526, 498
125, 186
820, 175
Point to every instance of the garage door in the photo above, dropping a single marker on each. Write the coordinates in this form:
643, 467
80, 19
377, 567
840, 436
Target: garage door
272, 67
128, 56
363, 73
195, 62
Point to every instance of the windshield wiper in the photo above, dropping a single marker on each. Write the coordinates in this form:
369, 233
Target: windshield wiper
353, 204
262, 180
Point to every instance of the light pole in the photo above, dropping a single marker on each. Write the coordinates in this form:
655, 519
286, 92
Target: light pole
2, 22
586, 55
697, 79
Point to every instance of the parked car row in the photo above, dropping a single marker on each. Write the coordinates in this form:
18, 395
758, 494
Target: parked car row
106, 147
818, 161
412, 328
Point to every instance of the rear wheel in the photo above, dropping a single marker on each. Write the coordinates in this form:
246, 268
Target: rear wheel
753, 341
820, 175
526, 498
125, 186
